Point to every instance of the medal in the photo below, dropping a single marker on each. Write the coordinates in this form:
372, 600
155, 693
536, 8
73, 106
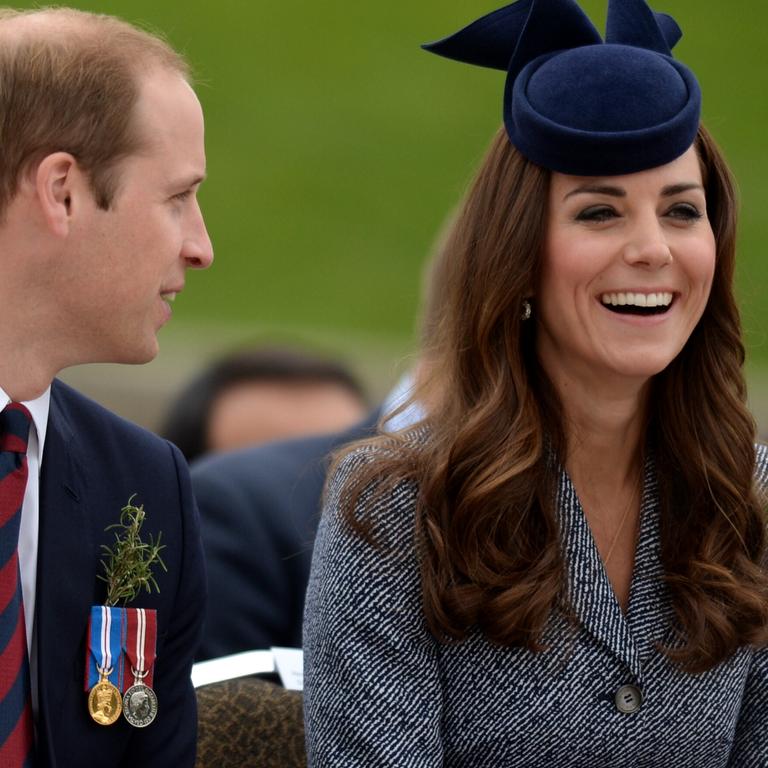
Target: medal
140, 701
104, 702
104, 670
139, 704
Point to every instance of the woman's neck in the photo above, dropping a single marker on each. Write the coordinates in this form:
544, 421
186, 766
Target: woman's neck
604, 425
604, 441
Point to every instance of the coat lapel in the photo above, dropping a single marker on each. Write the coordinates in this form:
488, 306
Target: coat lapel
65, 575
590, 592
650, 614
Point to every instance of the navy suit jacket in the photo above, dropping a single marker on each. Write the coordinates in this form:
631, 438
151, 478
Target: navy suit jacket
93, 461
259, 508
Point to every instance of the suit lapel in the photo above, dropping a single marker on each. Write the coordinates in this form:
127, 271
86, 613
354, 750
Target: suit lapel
65, 575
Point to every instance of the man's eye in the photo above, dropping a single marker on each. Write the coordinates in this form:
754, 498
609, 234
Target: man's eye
181, 196
684, 212
597, 213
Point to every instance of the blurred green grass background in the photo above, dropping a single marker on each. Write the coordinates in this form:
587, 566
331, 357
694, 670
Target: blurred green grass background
336, 147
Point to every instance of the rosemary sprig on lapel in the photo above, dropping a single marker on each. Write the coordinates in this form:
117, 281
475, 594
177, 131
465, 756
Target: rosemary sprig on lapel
129, 561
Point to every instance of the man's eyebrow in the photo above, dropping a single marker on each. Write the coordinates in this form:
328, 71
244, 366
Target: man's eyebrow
678, 189
189, 181
597, 189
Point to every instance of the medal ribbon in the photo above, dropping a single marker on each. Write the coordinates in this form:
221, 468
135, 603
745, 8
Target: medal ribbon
105, 635
140, 645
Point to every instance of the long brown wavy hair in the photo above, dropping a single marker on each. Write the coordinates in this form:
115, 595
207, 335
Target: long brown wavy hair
486, 526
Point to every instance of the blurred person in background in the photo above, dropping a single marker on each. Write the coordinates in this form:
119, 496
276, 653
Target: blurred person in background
565, 563
260, 508
262, 394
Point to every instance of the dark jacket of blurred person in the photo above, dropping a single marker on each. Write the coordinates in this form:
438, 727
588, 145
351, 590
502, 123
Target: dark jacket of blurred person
259, 509
261, 395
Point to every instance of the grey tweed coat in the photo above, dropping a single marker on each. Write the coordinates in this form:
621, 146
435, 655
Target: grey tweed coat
380, 691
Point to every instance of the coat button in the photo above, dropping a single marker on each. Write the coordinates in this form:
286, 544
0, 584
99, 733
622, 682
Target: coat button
628, 699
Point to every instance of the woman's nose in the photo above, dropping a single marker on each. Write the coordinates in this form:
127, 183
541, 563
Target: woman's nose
648, 246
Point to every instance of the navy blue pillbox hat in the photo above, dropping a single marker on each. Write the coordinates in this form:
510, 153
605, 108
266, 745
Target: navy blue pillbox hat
576, 104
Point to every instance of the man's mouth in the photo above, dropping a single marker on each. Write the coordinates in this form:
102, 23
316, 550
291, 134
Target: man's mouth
628, 303
169, 296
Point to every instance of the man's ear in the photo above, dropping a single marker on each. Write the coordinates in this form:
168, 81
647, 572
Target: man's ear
57, 180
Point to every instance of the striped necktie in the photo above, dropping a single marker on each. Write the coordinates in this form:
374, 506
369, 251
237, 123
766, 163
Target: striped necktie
16, 733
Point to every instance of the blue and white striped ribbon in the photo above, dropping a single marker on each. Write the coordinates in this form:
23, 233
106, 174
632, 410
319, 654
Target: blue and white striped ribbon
105, 643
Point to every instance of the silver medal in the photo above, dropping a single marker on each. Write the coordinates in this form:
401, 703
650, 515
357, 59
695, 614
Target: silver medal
139, 705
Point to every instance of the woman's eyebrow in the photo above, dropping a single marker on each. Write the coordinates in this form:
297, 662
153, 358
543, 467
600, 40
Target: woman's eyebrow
600, 189
597, 189
678, 189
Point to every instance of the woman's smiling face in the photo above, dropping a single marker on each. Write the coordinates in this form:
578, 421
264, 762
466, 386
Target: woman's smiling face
627, 269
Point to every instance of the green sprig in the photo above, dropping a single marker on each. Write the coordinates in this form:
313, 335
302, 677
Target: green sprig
128, 562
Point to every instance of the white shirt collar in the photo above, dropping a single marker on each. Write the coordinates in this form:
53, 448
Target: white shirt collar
38, 409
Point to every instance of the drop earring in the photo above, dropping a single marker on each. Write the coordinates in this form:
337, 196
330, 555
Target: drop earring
527, 310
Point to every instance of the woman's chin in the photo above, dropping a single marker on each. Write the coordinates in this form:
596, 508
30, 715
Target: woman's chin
643, 367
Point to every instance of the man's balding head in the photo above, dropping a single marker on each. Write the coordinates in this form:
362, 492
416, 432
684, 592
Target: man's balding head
69, 82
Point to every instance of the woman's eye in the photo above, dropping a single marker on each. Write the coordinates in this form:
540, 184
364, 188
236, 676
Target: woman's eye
684, 212
597, 213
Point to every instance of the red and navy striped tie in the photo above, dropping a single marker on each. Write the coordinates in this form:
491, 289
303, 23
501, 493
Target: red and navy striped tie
16, 734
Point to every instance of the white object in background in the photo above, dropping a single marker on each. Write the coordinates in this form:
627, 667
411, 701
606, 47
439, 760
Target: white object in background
229, 667
401, 393
289, 663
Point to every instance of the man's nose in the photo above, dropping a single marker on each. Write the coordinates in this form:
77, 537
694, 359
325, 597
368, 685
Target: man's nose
197, 250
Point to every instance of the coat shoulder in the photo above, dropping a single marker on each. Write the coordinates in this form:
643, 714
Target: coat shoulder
761, 466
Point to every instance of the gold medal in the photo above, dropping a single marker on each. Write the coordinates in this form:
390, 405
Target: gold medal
104, 701
140, 705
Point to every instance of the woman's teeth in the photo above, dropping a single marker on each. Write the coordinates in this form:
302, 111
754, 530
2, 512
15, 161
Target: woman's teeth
636, 299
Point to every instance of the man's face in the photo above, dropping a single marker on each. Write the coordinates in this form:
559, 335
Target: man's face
132, 258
